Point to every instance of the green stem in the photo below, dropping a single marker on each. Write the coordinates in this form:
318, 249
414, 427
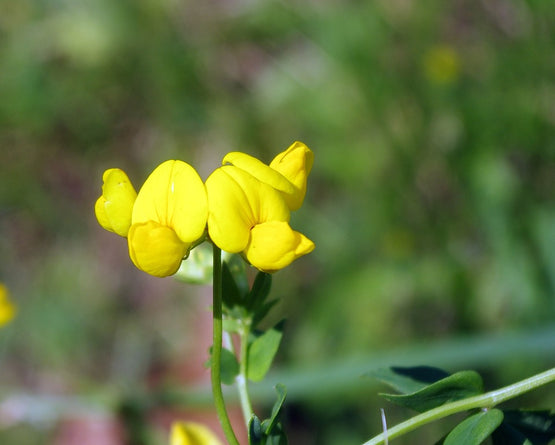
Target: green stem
217, 349
487, 400
242, 378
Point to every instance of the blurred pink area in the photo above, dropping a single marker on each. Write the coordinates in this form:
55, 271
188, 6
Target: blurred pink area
90, 430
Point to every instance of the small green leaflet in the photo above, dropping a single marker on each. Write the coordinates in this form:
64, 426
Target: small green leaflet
408, 380
262, 352
475, 429
229, 366
270, 431
255, 431
269, 424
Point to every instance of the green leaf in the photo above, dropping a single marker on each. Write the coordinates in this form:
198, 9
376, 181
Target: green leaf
408, 380
255, 431
262, 351
526, 427
228, 365
277, 437
455, 387
260, 290
269, 424
475, 429
237, 266
262, 311
230, 292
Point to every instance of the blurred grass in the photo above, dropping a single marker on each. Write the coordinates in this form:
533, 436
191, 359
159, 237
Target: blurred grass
431, 200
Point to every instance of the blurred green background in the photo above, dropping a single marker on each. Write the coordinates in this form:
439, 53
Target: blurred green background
431, 202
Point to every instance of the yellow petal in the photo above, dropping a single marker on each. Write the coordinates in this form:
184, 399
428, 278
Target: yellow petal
260, 171
101, 216
266, 203
295, 164
114, 208
237, 202
192, 433
274, 245
230, 215
174, 196
7, 308
156, 249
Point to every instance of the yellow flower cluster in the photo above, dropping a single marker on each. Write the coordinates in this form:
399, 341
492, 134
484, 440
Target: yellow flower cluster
244, 207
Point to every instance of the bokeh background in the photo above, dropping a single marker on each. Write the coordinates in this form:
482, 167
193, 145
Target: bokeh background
431, 202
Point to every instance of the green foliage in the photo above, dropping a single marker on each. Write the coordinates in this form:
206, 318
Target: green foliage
242, 304
270, 431
428, 395
262, 350
229, 366
408, 380
525, 428
243, 310
475, 429
425, 388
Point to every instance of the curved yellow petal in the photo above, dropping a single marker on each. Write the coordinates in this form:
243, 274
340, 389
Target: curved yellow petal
192, 433
102, 217
260, 171
114, 208
230, 215
174, 196
156, 249
7, 308
274, 245
295, 164
265, 201
237, 202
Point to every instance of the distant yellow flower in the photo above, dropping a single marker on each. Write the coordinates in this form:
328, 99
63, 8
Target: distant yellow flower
169, 215
442, 64
287, 173
252, 217
7, 308
192, 433
114, 208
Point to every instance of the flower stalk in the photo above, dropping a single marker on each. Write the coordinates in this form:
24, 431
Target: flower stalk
487, 400
215, 369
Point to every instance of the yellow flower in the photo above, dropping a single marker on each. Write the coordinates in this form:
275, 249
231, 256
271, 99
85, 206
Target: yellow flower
7, 308
252, 217
192, 433
113, 209
287, 172
169, 215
